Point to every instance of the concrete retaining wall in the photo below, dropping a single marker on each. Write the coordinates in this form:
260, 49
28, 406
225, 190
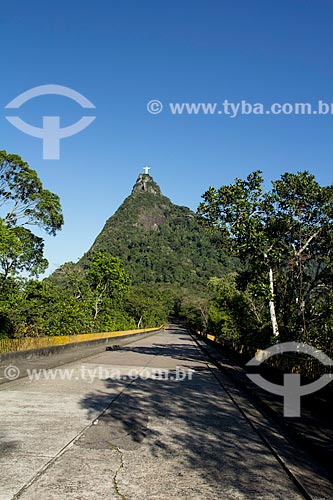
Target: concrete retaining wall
120, 338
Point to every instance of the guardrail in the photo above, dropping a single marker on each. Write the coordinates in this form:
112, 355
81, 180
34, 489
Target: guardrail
28, 343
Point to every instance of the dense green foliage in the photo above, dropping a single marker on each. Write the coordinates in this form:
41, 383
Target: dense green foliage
284, 238
38, 308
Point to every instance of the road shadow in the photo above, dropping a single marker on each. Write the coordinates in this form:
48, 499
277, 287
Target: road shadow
181, 352
191, 422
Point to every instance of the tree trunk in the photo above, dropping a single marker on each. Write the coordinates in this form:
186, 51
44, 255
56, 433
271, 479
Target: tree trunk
275, 325
96, 308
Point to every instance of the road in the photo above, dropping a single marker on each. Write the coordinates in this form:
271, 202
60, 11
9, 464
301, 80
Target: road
147, 422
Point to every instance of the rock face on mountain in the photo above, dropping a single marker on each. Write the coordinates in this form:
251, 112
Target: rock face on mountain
159, 242
145, 183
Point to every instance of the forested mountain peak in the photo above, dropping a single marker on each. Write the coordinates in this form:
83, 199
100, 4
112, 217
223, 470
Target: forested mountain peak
158, 241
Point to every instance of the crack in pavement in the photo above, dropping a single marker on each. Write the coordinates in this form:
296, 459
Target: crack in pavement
121, 466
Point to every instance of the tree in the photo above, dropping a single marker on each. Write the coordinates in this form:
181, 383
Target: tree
302, 215
23, 199
238, 212
39, 308
107, 278
284, 236
20, 250
24, 202
150, 305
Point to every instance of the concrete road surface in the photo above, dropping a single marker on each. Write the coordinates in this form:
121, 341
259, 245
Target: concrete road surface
147, 422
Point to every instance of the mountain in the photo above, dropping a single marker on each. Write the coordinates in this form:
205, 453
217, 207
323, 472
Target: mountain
158, 241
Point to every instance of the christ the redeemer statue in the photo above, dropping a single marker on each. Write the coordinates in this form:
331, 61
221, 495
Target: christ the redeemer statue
146, 169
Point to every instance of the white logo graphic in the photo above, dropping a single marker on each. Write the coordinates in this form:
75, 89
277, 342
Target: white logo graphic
51, 132
291, 390
11, 372
154, 106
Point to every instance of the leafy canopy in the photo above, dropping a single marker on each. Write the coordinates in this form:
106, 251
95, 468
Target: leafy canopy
24, 202
285, 234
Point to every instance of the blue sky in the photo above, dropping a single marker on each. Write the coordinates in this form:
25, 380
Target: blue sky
120, 55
